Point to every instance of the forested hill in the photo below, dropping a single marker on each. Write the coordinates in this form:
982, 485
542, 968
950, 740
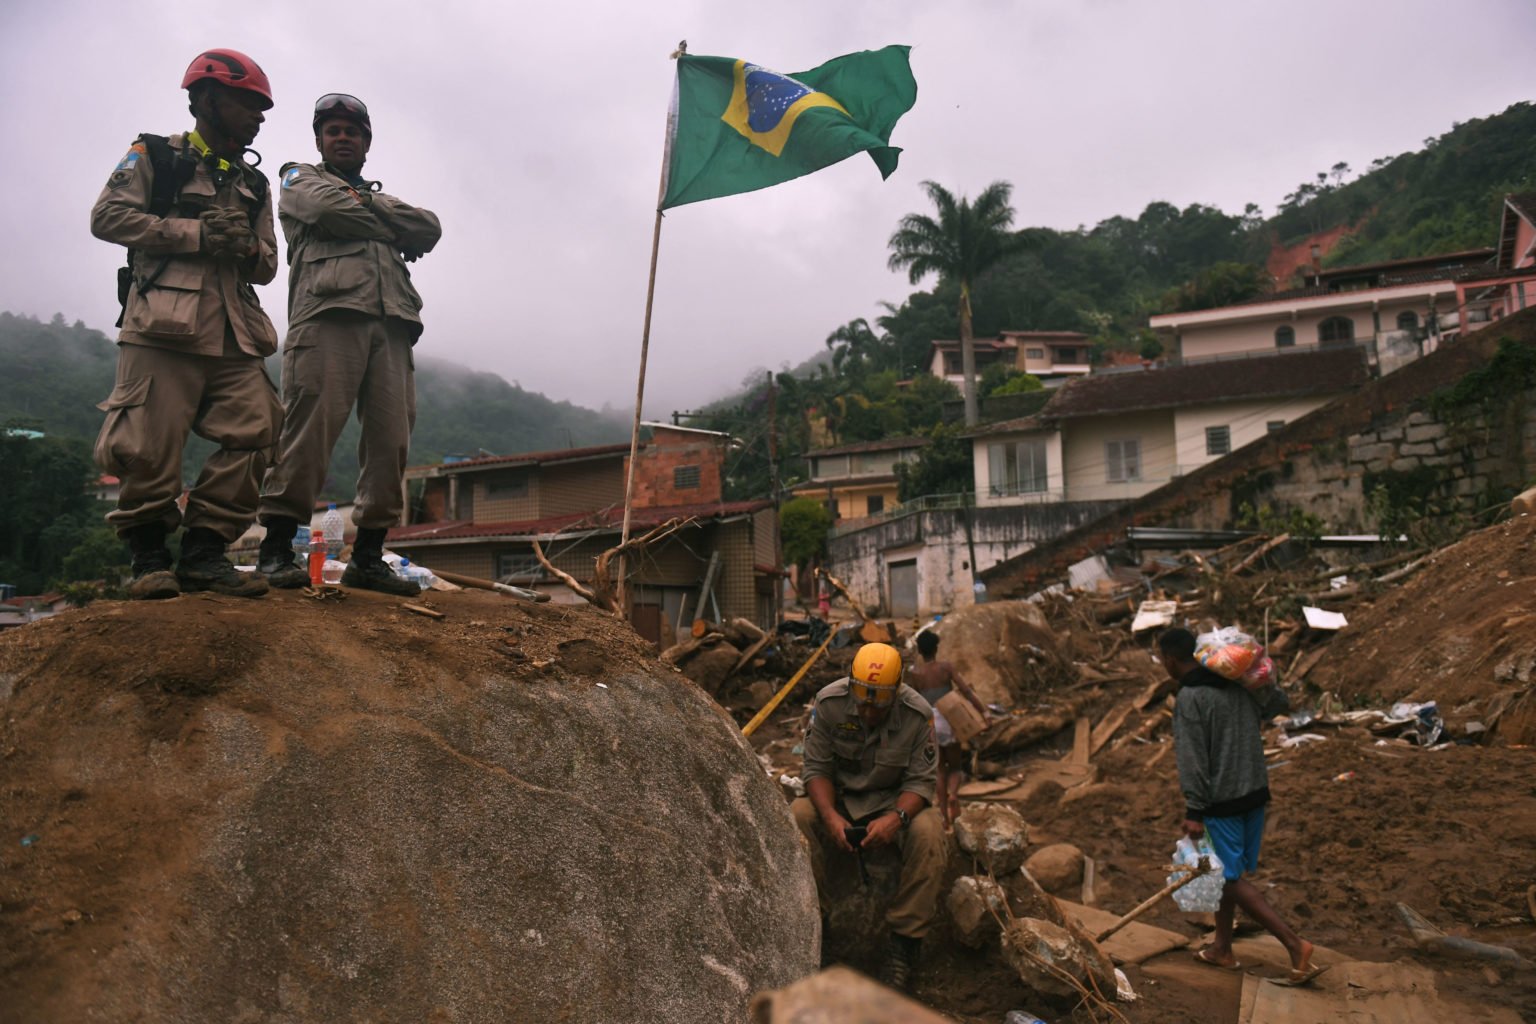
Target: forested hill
54, 374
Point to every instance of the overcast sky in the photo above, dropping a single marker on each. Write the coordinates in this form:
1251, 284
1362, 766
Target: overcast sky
534, 130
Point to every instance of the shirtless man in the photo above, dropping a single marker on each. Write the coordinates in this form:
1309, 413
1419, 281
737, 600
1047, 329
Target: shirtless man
933, 680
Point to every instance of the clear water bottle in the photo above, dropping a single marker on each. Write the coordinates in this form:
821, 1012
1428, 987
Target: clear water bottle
317, 558
335, 532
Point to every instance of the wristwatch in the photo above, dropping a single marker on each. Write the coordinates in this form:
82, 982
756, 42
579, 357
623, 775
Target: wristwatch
906, 819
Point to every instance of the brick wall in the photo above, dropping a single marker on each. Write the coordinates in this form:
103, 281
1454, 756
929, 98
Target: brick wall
665, 463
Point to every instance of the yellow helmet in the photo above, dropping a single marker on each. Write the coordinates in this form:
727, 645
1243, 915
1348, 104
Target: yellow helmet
876, 674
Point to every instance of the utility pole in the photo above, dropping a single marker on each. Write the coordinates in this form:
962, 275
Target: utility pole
773, 495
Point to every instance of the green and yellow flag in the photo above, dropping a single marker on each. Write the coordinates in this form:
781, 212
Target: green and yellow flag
737, 127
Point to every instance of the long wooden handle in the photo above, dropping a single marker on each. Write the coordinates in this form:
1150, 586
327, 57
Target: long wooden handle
762, 716
1148, 904
538, 597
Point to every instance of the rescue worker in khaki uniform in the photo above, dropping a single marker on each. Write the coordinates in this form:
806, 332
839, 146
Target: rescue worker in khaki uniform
353, 318
193, 334
870, 760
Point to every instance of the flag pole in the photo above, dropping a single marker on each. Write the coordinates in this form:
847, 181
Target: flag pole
645, 347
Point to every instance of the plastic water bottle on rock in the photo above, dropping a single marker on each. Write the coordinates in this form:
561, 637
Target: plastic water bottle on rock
335, 532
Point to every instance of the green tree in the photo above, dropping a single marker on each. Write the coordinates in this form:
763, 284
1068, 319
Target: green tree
943, 467
960, 244
803, 526
99, 555
1018, 384
1221, 284
47, 510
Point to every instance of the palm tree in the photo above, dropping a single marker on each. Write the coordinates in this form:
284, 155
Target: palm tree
853, 344
964, 241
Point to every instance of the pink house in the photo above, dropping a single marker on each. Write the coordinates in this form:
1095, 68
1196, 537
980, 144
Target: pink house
1510, 285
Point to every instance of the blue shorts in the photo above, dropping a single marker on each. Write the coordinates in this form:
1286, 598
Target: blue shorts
1236, 842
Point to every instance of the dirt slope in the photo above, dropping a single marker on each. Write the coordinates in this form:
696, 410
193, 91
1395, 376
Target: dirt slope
1462, 630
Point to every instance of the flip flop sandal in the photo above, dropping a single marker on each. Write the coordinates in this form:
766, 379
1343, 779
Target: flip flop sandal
1296, 979
1204, 956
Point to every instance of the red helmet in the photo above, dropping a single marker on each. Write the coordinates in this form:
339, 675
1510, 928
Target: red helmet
231, 68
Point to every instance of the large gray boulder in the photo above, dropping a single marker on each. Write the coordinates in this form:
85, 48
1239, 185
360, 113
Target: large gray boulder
293, 810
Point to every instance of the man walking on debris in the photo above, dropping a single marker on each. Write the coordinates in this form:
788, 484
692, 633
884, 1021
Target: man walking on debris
1220, 751
353, 318
870, 763
197, 221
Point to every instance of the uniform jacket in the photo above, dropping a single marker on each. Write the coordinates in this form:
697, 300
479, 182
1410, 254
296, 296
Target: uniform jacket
343, 254
193, 298
870, 769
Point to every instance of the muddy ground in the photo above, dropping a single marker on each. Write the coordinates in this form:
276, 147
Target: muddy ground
1358, 824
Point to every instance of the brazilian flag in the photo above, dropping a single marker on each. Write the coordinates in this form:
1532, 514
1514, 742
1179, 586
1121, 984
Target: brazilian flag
737, 127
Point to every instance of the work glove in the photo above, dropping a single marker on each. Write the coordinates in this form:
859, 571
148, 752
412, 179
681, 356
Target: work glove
225, 234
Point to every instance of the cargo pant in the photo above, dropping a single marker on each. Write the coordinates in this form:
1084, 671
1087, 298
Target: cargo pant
330, 363
924, 853
159, 397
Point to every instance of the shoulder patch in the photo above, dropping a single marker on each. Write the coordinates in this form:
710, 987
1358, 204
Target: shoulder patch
289, 175
929, 753
119, 179
131, 157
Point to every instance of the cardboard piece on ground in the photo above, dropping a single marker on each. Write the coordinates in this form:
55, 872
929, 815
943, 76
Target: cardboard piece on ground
1130, 945
838, 995
1320, 618
1026, 783
1358, 992
966, 722
1151, 614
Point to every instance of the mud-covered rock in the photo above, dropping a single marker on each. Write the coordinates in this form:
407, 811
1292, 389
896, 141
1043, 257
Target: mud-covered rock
289, 809
995, 834
1057, 867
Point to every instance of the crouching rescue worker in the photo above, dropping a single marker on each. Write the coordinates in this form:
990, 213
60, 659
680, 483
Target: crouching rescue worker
353, 318
870, 761
197, 221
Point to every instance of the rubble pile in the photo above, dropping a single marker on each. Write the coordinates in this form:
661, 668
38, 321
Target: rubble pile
1400, 774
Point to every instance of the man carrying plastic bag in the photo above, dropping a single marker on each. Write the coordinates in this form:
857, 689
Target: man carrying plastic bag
1220, 751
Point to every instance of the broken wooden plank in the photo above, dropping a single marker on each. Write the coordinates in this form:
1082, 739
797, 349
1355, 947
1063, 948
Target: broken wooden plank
1081, 736
421, 609
1134, 944
1106, 729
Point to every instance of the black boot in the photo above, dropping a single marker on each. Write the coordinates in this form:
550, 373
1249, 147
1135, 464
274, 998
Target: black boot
368, 571
900, 962
152, 575
276, 560
204, 567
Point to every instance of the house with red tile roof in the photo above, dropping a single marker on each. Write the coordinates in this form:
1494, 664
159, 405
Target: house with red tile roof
1115, 436
481, 517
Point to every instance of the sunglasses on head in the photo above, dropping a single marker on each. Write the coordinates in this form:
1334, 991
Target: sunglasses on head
331, 100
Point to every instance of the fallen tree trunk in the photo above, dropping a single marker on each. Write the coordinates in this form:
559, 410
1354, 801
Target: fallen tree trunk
1026, 730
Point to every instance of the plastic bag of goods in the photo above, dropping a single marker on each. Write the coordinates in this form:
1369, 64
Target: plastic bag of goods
1203, 895
1229, 652
1260, 674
